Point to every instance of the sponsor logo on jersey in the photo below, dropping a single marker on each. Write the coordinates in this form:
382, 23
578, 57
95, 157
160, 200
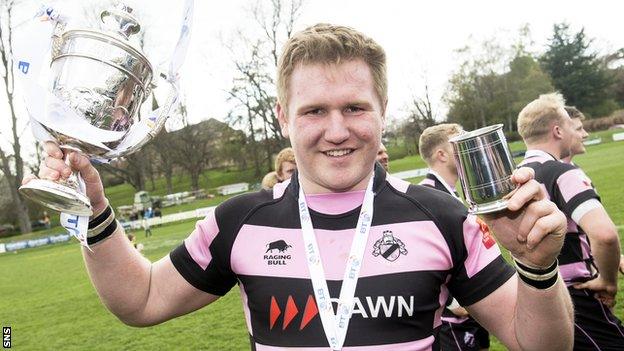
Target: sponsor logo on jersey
469, 339
488, 239
276, 253
389, 247
366, 307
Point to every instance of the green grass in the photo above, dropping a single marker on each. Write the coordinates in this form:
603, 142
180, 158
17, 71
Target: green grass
50, 304
124, 194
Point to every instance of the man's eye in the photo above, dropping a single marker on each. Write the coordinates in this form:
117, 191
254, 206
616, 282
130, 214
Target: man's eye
353, 109
314, 112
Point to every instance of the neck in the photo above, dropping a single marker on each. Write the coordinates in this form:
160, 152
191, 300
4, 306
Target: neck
311, 187
449, 176
546, 147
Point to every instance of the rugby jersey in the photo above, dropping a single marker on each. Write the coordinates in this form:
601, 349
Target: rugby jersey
422, 246
571, 190
432, 179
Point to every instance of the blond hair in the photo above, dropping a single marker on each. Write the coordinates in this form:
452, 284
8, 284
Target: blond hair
536, 118
269, 180
330, 44
434, 137
573, 112
286, 155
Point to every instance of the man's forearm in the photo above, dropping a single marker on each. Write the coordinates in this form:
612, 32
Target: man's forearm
536, 310
607, 258
121, 276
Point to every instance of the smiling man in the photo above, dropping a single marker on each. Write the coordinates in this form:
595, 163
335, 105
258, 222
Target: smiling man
342, 256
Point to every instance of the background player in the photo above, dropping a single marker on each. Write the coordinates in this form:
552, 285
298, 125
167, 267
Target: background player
459, 331
589, 271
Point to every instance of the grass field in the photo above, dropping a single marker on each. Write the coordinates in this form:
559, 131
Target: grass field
50, 304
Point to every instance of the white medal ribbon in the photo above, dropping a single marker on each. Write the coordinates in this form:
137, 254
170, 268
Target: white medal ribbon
76, 225
336, 325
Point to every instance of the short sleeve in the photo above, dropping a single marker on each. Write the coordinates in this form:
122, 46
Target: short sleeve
482, 269
200, 259
573, 189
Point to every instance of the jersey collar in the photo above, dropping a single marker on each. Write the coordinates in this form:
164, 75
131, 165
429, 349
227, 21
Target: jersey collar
536, 153
444, 183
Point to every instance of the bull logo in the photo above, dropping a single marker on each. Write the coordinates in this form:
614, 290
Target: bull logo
389, 247
279, 245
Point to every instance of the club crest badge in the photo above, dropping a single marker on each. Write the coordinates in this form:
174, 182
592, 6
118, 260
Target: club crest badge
389, 247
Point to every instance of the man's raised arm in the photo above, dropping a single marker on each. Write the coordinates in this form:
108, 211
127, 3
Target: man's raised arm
138, 292
533, 309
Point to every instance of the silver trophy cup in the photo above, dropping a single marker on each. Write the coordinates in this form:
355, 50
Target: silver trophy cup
484, 166
103, 78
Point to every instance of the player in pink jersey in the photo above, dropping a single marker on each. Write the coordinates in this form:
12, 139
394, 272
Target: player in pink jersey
591, 253
579, 148
294, 252
459, 331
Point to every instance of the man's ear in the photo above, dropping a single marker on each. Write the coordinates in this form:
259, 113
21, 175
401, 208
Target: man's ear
282, 119
556, 132
441, 155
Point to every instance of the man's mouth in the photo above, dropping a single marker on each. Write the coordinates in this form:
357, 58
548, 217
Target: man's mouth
338, 153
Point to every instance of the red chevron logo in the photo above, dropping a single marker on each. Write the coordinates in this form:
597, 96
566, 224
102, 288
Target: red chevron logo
291, 310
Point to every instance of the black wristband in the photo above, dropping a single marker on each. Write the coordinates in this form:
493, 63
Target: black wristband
538, 278
540, 284
536, 270
108, 231
101, 217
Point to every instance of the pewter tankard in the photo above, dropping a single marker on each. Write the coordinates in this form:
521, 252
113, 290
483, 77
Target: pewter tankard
484, 166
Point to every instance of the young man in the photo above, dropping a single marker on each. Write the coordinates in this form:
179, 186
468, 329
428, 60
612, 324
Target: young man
578, 147
382, 156
459, 331
342, 255
589, 271
285, 164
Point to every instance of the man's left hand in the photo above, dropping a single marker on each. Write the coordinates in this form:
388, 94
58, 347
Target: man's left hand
532, 228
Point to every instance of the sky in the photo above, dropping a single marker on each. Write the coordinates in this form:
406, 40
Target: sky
420, 39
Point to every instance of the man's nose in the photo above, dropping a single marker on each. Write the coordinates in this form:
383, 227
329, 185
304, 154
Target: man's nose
337, 130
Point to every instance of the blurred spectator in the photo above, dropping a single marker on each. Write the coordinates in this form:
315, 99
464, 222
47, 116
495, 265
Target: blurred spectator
269, 180
146, 226
382, 156
46, 219
136, 245
134, 216
285, 164
157, 212
148, 213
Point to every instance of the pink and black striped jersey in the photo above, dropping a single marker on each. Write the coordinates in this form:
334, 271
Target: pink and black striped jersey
422, 246
573, 193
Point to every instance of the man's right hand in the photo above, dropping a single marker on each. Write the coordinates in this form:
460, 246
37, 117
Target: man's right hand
53, 167
603, 290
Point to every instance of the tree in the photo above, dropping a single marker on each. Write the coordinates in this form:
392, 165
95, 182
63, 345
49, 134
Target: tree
577, 72
494, 83
12, 163
196, 148
420, 116
253, 91
163, 145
